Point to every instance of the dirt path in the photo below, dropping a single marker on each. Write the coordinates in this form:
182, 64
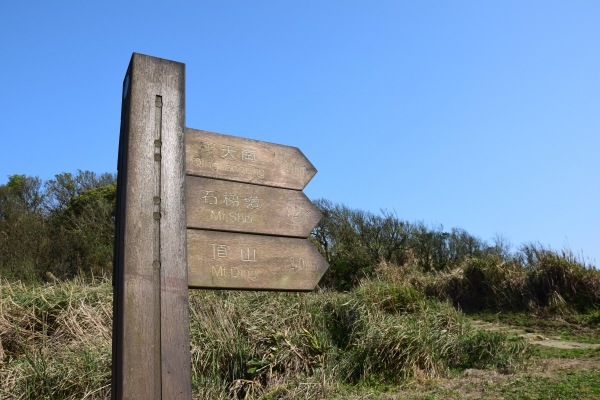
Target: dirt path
553, 377
532, 338
490, 384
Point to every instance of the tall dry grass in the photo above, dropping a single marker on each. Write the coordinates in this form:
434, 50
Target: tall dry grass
56, 341
284, 345
536, 278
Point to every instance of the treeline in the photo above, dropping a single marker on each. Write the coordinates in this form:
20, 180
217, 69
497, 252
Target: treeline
354, 242
451, 265
65, 227
57, 229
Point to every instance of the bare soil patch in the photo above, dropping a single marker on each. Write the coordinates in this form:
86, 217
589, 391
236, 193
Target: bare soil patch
483, 384
533, 337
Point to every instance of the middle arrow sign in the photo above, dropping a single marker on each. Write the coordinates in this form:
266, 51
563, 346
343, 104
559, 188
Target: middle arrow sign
239, 207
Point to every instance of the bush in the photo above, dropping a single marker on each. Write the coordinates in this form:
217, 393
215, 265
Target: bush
354, 241
338, 240
481, 349
23, 227
535, 278
560, 281
60, 229
485, 283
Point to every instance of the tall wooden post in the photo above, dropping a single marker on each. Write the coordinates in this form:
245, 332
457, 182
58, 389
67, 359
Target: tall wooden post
151, 346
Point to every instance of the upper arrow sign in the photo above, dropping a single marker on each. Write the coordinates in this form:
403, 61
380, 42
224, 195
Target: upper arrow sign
232, 158
241, 207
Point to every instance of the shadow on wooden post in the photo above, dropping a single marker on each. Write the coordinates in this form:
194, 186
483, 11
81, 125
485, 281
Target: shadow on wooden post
151, 346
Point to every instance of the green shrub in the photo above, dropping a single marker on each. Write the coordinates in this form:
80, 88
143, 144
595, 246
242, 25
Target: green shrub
299, 345
481, 349
58, 229
394, 347
536, 278
560, 282
390, 297
487, 283
354, 241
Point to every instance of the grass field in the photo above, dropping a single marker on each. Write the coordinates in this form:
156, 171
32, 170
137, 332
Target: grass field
406, 310
380, 340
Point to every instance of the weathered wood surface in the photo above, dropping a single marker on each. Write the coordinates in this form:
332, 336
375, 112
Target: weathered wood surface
225, 260
240, 207
215, 155
151, 327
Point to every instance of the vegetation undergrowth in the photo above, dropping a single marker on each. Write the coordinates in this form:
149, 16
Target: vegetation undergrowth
395, 305
56, 341
551, 352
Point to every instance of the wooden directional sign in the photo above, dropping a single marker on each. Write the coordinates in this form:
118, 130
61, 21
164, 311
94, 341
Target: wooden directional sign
233, 158
243, 185
241, 207
172, 179
248, 186
225, 260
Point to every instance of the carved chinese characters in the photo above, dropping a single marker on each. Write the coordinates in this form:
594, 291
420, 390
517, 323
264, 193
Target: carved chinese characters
240, 207
232, 261
232, 158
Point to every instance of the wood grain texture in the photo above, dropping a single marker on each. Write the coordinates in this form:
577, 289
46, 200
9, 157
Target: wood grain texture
225, 260
241, 207
152, 359
219, 156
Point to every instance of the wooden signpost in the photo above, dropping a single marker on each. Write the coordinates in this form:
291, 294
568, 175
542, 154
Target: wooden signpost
195, 209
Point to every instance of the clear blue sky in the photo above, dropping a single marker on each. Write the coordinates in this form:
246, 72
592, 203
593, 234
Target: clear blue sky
474, 114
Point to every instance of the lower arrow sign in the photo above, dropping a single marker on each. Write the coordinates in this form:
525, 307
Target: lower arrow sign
225, 260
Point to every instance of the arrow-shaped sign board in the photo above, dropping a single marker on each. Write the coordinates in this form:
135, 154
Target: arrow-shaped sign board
232, 158
225, 260
238, 191
240, 207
